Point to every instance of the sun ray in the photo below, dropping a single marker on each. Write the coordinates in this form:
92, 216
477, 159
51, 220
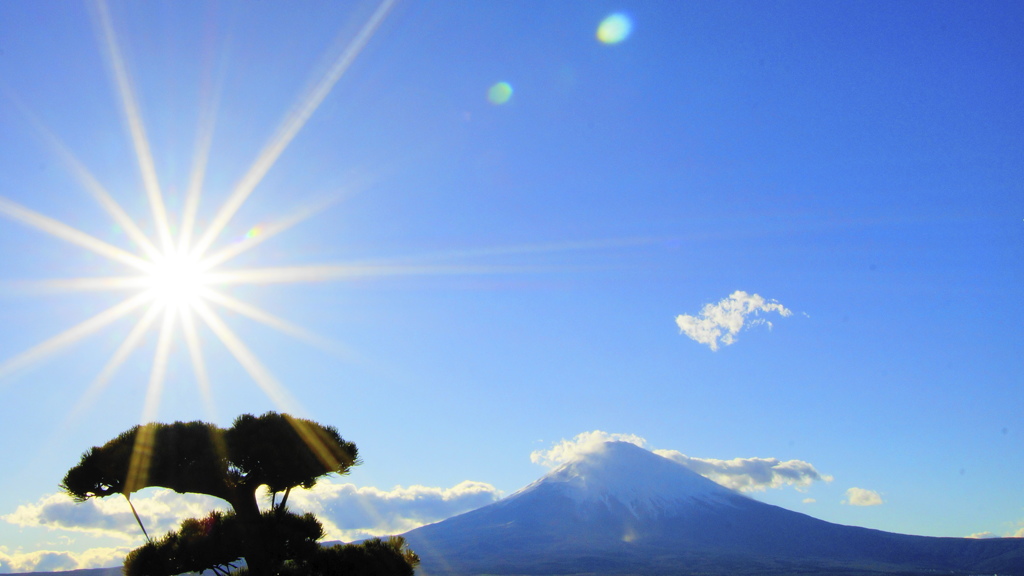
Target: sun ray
60, 230
329, 272
204, 140
142, 451
158, 373
91, 185
56, 285
569, 246
267, 233
130, 107
195, 352
317, 440
195, 184
268, 319
129, 345
256, 370
111, 206
142, 456
294, 122
72, 335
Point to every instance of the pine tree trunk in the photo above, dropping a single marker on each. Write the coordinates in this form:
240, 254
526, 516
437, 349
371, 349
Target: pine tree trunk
253, 544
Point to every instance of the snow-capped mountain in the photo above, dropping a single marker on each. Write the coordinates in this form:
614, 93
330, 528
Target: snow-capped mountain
621, 509
621, 474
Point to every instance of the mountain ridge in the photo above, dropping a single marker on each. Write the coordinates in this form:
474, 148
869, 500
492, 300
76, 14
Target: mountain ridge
621, 509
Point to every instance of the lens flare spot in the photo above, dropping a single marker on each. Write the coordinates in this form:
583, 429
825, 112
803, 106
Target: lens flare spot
500, 93
254, 232
614, 29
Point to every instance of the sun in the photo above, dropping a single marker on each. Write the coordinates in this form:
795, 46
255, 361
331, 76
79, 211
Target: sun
175, 275
177, 280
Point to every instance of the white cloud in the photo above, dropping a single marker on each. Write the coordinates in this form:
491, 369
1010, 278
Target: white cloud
1018, 534
349, 512
722, 321
160, 510
745, 474
862, 497
751, 474
51, 560
980, 535
580, 444
809, 500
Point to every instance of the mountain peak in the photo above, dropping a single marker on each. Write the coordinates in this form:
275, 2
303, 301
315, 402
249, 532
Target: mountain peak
624, 473
621, 509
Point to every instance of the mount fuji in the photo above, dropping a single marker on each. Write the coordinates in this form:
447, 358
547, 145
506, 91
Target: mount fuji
621, 509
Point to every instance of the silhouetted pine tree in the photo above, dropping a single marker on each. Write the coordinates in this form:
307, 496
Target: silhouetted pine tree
276, 450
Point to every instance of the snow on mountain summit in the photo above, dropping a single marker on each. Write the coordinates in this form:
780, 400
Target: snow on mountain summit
643, 482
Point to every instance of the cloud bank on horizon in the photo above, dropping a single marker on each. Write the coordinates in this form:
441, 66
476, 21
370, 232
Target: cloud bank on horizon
349, 512
743, 474
346, 511
160, 509
59, 560
719, 323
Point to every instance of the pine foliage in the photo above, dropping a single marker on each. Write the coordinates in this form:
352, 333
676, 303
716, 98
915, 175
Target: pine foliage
275, 450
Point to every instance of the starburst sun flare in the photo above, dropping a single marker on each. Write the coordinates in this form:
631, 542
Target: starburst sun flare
173, 277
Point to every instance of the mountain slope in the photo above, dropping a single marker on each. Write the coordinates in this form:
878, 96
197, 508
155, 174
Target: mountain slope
622, 509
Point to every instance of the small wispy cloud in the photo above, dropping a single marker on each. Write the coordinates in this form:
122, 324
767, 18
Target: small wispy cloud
751, 474
1019, 533
719, 323
809, 500
862, 497
744, 474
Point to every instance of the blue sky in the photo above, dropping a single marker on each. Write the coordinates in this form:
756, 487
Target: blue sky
858, 166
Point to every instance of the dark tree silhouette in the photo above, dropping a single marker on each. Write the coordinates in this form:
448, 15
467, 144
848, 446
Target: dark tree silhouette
279, 451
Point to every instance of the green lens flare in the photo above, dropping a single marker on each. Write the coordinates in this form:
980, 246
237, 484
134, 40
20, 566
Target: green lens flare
500, 93
614, 29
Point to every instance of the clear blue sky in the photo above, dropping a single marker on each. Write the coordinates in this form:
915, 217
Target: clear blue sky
860, 163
